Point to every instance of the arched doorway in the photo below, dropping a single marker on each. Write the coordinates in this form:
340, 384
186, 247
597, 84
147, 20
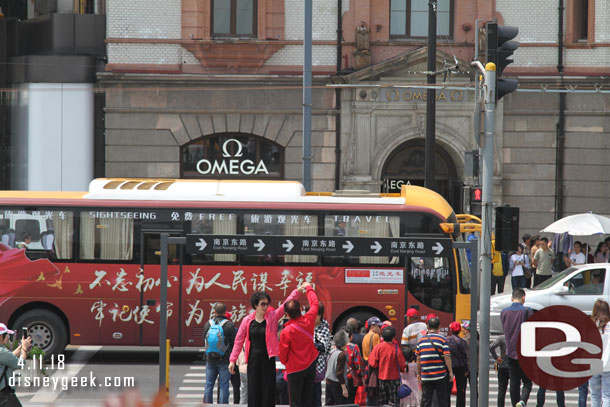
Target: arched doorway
406, 165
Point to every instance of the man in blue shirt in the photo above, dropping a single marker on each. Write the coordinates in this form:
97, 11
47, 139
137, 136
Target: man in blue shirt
512, 317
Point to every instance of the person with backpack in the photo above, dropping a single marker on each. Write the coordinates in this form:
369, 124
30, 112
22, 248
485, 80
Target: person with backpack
219, 336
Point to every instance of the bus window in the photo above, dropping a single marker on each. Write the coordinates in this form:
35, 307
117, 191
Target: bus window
214, 224
282, 225
105, 238
464, 271
363, 225
429, 279
59, 235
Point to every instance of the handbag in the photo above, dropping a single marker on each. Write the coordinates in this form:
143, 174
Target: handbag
527, 271
403, 389
8, 398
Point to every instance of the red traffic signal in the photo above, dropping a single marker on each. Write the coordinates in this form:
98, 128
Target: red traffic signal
476, 194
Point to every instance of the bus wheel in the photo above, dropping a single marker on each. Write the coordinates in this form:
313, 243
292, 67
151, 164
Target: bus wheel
47, 330
361, 315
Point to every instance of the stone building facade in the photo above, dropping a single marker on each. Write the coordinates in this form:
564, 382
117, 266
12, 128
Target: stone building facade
178, 80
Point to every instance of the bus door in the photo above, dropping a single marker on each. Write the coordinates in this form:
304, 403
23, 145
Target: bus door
150, 288
430, 287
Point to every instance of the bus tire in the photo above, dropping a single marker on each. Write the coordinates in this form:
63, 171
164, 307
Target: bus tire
361, 315
47, 330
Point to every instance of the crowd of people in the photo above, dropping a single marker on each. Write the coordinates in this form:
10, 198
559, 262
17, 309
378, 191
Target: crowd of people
283, 355
537, 258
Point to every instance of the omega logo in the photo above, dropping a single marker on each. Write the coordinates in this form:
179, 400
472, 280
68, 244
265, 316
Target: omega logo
231, 166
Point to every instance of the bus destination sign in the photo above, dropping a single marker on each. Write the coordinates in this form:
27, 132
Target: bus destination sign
318, 245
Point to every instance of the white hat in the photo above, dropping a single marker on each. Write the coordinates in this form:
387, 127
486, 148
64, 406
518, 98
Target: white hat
5, 330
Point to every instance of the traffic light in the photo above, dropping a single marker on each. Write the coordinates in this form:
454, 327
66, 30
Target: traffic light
499, 50
476, 197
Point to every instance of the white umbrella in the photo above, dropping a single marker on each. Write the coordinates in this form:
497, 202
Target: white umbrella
582, 224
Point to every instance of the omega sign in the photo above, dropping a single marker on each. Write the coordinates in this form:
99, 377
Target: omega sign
231, 165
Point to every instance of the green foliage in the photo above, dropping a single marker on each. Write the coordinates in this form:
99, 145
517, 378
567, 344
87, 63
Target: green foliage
36, 351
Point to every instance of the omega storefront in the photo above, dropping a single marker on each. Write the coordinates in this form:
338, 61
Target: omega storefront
232, 155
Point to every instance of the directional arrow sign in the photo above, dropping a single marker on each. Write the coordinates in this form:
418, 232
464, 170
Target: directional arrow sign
260, 245
412, 246
376, 247
348, 246
288, 245
201, 244
438, 248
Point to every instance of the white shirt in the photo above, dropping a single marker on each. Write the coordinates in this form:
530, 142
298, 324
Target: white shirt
409, 334
577, 258
518, 268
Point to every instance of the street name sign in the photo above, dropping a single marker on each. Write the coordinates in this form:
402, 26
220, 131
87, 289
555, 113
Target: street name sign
318, 245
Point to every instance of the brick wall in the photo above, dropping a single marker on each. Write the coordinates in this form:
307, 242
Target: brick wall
322, 55
602, 21
324, 22
143, 18
149, 54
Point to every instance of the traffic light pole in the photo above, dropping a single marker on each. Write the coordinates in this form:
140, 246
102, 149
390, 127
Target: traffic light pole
489, 88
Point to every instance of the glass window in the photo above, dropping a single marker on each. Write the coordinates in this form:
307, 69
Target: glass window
244, 17
234, 18
429, 279
590, 282
105, 238
362, 225
464, 271
222, 16
409, 18
48, 232
214, 223
282, 225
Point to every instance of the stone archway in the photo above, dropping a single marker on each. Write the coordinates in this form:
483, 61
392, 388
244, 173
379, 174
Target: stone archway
406, 164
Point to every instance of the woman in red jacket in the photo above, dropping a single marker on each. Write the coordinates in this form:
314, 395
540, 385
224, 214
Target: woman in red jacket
258, 334
297, 350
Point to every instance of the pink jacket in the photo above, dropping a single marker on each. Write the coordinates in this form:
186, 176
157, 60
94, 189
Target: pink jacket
272, 317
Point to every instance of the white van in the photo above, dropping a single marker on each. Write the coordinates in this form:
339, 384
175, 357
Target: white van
577, 286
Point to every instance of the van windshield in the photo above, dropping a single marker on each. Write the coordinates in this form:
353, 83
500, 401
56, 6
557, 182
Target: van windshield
548, 283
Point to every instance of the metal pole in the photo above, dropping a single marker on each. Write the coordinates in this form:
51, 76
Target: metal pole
307, 96
476, 119
163, 313
431, 99
474, 307
487, 206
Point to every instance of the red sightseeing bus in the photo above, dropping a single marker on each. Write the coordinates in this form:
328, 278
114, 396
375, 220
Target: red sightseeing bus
84, 267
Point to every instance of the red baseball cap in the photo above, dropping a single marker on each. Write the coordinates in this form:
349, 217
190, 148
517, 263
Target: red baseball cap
430, 316
455, 327
412, 312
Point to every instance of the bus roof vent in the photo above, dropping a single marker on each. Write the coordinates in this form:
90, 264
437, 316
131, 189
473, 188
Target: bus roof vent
194, 190
363, 193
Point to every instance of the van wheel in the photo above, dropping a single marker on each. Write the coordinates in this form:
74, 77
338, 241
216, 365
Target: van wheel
47, 330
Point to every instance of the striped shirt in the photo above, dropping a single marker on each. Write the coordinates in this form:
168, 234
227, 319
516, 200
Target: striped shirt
431, 348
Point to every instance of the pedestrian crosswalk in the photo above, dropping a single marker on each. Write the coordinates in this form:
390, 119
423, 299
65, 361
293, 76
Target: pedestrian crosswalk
192, 384
571, 397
